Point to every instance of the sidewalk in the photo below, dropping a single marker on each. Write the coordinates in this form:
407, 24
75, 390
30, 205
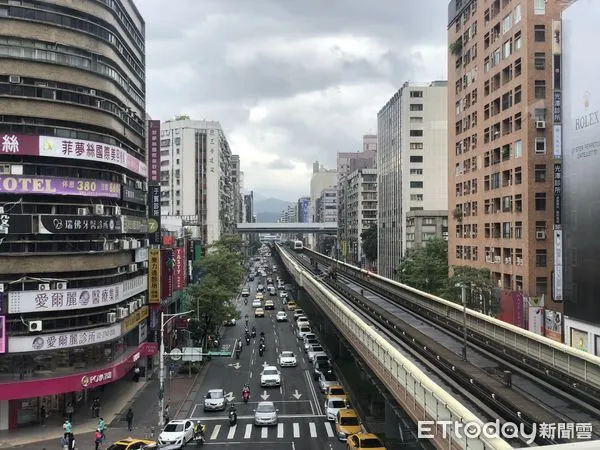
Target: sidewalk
141, 397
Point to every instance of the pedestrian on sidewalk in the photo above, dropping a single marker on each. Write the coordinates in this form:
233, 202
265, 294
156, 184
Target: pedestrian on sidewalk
136, 374
67, 427
43, 416
129, 418
70, 410
101, 426
97, 439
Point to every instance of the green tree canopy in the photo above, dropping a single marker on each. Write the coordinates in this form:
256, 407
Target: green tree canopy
369, 242
426, 268
212, 298
480, 289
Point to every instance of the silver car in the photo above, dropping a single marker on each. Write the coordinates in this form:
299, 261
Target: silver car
215, 400
265, 414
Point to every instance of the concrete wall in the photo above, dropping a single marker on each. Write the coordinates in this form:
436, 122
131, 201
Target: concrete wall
63, 263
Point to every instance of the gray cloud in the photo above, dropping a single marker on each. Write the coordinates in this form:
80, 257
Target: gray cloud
289, 79
280, 164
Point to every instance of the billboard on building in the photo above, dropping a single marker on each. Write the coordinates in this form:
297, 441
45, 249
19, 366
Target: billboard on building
178, 269
581, 162
166, 273
153, 151
304, 206
154, 276
154, 214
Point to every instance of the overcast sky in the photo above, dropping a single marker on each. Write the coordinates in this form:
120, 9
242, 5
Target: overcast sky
291, 81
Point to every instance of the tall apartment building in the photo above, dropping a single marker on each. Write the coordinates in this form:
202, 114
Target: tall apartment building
73, 203
196, 175
360, 207
321, 179
237, 180
349, 163
326, 206
500, 141
411, 164
303, 210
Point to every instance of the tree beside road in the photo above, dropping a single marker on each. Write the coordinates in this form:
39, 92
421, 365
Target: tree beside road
212, 297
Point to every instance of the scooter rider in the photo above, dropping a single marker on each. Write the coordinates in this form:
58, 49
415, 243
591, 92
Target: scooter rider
232, 415
246, 392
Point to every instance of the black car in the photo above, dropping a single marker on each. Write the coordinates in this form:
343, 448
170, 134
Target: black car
269, 281
250, 277
321, 367
260, 288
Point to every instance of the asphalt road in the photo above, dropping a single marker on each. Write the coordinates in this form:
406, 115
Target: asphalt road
302, 423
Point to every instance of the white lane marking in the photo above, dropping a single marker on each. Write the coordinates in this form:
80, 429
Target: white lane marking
280, 430
215, 432
296, 428
250, 374
313, 429
231, 432
329, 429
264, 433
248, 431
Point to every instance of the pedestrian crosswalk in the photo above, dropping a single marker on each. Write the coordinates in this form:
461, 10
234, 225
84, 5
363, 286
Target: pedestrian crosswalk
283, 430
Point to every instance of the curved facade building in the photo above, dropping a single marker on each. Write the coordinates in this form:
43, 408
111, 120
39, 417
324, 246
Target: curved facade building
73, 265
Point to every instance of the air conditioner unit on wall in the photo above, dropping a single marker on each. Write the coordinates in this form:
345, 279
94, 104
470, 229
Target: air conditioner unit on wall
44, 287
124, 244
1, 287
98, 210
540, 124
146, 242
111, 317
132, 307
15, 79
144, 264
122, 313
133, 267
61, 285
35, 325
540, 235
117, 210
82, 211
139, 185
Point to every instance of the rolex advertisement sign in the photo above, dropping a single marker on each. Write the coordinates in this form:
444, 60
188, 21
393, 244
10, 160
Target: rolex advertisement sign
581, 161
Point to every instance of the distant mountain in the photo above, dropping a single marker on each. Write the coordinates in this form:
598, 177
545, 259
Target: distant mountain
268, 217
258, 197
270, 209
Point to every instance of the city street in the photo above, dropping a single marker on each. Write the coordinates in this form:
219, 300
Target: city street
300, 405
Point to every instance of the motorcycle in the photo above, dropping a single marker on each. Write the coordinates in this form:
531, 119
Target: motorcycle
232, 417
200, 437
246, 395
247, 340
245, 301
253, 332
261, 350
237, 353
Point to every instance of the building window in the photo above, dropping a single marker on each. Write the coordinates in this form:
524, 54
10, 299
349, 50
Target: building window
540, 257
540, 89
416, 107
518, 41
540, 145
416, 133
416, 146
416, 159
416, 197
518, 148
541, 285
540, 60
517, 14
540, 201
416, 120
506, 23
416, 94
416, 171
539, 7
540, 173
419, 185
540, 33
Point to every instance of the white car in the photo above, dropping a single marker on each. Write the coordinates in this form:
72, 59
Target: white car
283, 294
302, 320
270, 376
245, 292
314, 355
313, 350
256, 303
332, 406
176, 434
282, 316
287, 359
303, 331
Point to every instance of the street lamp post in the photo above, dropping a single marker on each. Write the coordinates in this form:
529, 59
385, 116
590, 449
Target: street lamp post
161, 367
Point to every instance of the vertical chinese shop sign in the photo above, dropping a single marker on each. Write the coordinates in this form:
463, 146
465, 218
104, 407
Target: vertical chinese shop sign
154, 276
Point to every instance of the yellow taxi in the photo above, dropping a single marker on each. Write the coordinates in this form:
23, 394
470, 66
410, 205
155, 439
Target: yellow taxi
347, 423
291, 305
130, 444
259, 312
364, 440
260, 296
269, 304
336, 391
